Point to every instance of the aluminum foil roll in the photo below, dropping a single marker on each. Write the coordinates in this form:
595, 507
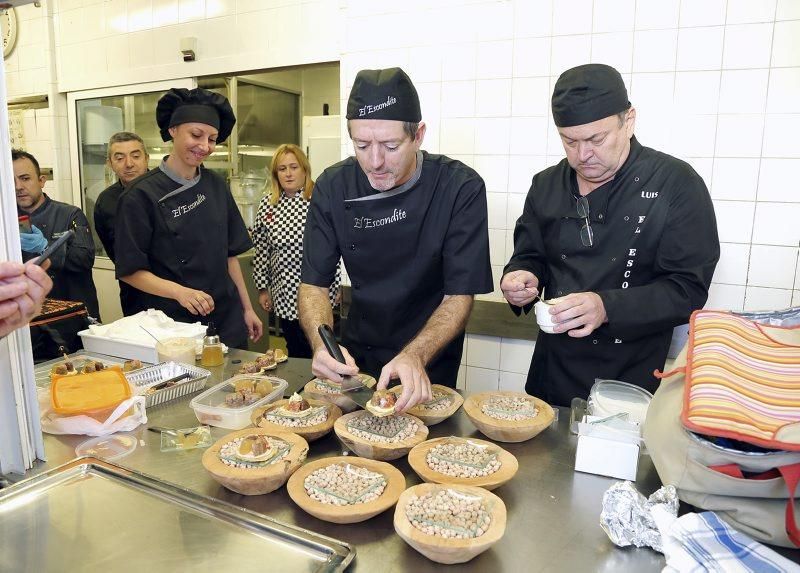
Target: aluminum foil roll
626, 516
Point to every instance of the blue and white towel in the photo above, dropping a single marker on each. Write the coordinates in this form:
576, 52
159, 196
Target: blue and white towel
700, 542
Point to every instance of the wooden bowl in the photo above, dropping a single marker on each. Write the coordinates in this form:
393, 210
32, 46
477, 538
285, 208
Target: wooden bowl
310, 433
506, 430
255, 481
378, 450
443, 550
395, 484
508, 465
433, 417
312, 390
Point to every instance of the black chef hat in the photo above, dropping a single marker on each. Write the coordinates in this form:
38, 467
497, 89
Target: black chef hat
180, 105
384, 94
587, 93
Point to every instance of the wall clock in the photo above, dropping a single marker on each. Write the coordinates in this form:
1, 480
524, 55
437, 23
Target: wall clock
8, 24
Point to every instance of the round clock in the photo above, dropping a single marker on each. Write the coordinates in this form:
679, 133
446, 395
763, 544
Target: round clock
8, 24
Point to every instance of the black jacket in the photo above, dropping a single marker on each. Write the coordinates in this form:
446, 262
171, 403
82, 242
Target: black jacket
70, 266
655, 250
184, 231
105, 215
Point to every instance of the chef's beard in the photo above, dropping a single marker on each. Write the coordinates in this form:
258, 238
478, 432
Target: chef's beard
382, 184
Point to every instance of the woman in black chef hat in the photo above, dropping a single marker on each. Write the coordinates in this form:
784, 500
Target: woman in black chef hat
178, 230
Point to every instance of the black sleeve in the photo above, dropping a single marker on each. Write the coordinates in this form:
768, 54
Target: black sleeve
238, 238
78, 253
684, 265
133, 233
529, 251
465, 253
103, 225
321, 251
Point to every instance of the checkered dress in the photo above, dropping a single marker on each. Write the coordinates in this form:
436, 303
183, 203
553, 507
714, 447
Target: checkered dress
278, 239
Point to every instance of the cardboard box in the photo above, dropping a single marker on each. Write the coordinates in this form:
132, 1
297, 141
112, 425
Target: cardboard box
608, 450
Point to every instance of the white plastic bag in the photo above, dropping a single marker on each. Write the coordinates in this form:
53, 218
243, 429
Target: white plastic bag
53, 423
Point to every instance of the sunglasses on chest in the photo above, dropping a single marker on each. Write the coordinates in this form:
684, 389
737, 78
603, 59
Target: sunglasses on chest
587, 235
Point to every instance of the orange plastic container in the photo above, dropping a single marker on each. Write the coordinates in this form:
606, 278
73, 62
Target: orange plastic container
91, 394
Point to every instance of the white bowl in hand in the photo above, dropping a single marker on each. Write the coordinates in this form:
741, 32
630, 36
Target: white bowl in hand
543, 317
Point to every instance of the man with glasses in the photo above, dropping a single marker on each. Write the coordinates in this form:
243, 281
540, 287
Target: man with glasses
623, 236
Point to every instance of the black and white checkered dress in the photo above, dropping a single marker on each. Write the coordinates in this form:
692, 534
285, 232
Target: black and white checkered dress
278, 239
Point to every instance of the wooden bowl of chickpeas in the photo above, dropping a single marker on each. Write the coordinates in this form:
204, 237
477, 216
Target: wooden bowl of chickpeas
449, 524
346, 489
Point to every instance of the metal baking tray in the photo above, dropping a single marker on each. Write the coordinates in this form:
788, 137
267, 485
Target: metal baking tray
141, 380
42, 370
91, 515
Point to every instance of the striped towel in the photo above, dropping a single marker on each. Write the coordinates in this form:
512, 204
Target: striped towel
701, 542
742, 382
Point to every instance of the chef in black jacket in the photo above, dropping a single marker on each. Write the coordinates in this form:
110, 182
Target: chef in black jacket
178, 230
127, 158
412, 230
625, 236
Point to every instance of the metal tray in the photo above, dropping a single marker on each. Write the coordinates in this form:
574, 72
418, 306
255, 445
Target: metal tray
42, 370
142, 379
90, 515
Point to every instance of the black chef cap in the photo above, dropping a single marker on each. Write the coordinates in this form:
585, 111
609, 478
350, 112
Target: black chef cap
180, 105
384, 94
587, 93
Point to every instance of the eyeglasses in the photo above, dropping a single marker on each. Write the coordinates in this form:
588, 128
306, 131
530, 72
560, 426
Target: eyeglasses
587, 235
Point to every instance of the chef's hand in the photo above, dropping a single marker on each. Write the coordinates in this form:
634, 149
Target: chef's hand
519, 287
195, 301
265, 300
33, 242
326, 367
410, 370
22, 291
579, 314
254, 326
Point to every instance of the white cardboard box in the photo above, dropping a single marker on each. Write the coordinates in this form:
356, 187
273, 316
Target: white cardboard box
606, 457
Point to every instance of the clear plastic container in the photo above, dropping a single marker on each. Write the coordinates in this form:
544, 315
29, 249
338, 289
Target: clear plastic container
176, 350
611, 397
109, 448
211, 408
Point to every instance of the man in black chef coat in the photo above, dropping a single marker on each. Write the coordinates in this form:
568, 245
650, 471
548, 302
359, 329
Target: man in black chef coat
623, 235
127, 158
71, 266
412, 230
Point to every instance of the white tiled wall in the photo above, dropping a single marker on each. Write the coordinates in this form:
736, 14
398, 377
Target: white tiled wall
715, 82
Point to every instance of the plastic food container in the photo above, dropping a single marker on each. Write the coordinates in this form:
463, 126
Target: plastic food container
178, 349
610, 397
120, 348
109, 448
210, 408
91, 394
143, 379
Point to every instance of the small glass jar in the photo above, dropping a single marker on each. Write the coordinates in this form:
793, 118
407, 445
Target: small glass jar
212, 348
176, 350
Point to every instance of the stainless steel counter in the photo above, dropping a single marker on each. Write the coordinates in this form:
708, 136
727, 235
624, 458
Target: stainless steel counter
553, 511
